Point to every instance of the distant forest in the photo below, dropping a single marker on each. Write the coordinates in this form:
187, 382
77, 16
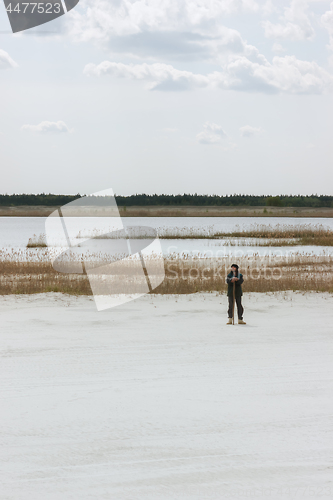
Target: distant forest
234, 200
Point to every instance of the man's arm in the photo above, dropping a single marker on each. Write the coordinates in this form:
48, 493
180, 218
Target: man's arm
228, 280
240, 280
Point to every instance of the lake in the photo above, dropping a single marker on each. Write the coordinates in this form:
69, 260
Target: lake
16, 231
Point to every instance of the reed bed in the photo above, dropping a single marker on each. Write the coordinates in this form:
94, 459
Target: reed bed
260, 275
186, 274
305, 234
30, 271
256, 235
263, 235
37, 241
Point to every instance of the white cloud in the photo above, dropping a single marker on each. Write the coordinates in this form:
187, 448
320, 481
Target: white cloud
211, 134
161, 76
268, 8
294, 25
327, 20
167, 33
47, 127
102, 19
278, 49
192, 43
6, 61
248, 131
285, 74
169, 30
165, 30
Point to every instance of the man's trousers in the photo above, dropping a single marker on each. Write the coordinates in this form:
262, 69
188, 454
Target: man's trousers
240, 308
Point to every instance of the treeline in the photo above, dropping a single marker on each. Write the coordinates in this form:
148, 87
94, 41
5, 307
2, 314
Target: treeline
228, 200
50, 200
234, 200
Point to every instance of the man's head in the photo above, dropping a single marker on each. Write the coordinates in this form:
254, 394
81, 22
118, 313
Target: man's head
234, 268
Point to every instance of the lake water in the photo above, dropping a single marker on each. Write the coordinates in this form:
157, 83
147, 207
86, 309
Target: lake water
16, 231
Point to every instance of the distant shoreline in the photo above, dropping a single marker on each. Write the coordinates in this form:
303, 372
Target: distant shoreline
179, 211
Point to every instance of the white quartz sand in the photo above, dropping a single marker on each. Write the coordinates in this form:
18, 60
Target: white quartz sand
160, 399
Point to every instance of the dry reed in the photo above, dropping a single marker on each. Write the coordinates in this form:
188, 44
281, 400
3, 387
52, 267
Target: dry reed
259, 235
182, 275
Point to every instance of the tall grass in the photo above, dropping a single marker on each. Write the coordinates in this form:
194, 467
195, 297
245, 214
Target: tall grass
256, 235
305, 234
37, 241
260, 274
32, 272
182, 275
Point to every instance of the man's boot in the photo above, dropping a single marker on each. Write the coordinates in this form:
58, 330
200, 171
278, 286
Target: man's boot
229, 321
241, 322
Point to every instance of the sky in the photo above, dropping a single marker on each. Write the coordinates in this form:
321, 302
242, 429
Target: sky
170, 96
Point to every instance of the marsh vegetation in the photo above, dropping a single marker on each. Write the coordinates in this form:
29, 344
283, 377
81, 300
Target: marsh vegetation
255, 235
30, 271
183, 274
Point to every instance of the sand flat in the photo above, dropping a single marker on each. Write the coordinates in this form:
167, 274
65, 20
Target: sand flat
159, 399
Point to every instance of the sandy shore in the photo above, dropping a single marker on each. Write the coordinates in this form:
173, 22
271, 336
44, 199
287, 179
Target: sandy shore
160, 400
161, 211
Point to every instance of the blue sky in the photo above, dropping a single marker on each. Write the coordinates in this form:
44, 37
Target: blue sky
166, 96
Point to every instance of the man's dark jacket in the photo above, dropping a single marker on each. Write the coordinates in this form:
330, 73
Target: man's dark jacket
238, 284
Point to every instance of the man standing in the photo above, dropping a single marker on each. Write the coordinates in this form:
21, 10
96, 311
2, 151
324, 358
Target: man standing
234, 281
